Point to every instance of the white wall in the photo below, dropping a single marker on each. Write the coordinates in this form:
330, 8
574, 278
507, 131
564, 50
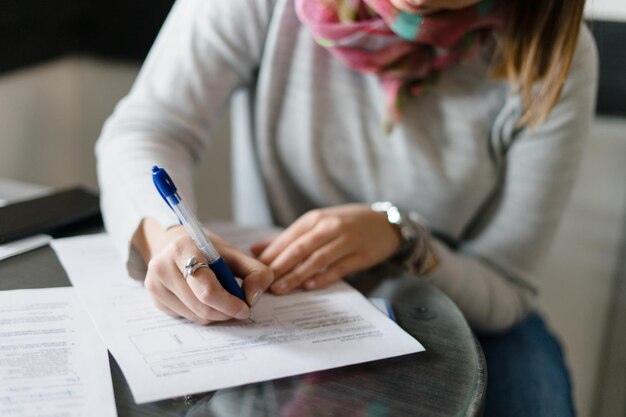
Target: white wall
614, 10
52, 114
577, 280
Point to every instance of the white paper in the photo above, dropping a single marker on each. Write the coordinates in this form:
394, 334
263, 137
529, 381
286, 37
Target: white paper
163, 357
52, 362
23, 245
12, 191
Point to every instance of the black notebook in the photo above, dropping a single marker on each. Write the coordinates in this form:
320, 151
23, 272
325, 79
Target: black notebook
47, 214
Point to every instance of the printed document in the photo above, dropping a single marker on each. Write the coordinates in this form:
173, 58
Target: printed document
52, 362
164, 357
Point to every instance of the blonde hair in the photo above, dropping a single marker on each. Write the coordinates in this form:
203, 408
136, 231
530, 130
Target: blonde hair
538, 44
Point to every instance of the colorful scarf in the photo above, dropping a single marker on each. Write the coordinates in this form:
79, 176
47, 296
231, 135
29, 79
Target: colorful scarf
407, 51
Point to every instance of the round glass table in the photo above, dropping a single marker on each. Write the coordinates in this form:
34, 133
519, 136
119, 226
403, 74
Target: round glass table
448, 379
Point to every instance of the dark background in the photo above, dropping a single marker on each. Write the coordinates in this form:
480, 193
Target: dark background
33, 31
611, 41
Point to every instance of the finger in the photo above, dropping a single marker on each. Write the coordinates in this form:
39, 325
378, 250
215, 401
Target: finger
318, 261
257, 249
256, 276
297, 229
203, 290
301, 249
188, 315
168, 302
336, 272
165, 309
201, 293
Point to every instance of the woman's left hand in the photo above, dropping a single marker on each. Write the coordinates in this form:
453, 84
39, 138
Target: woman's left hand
325, 245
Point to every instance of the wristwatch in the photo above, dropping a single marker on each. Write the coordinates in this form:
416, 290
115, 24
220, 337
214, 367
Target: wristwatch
407, 229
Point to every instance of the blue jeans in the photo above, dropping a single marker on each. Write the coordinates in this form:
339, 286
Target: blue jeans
527, 375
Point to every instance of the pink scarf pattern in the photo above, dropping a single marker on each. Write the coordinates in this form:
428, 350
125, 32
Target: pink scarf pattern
406, 51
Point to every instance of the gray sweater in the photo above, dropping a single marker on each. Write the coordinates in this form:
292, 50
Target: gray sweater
492, 192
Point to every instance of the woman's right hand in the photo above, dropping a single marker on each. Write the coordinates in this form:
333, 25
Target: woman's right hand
200, 297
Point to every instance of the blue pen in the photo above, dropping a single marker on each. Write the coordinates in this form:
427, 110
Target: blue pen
167, 189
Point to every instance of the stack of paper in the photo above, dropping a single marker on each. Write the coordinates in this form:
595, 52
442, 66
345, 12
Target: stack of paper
52, 362
163, 357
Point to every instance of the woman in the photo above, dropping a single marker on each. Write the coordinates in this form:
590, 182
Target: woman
469, 116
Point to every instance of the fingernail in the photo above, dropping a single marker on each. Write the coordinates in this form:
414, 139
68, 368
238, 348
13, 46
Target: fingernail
255, 297
309, 285
243, 314
280, 286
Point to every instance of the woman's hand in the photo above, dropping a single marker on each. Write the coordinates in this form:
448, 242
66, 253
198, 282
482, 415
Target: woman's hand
325, 245
200, 297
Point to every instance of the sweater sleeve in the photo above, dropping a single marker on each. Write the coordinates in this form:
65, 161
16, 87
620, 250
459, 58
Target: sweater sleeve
205, 50
490, 274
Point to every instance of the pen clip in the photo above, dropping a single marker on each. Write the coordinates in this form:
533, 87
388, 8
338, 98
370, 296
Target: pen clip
164, 185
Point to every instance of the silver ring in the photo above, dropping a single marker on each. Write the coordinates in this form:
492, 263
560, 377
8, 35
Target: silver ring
192, 266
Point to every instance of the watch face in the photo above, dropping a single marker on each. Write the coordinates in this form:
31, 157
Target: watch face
381, 206
394, 216
402, 221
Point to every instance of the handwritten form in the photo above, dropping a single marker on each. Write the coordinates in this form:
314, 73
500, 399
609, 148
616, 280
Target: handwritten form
52, 362
163, 357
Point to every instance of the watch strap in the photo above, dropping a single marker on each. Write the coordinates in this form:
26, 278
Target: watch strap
415, 252
407, 231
